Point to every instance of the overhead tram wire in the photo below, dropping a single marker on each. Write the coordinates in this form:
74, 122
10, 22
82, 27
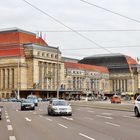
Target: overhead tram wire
58, 21
110, 11
92, 30
113, 47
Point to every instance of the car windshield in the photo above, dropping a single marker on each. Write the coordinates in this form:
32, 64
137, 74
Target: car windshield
60, 103
26, 101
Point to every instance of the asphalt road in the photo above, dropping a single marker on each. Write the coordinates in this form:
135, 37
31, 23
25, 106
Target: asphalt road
85, 124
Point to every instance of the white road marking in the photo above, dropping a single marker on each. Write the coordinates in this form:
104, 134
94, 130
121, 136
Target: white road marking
12, 138
7, 117
104, 117
27, 119
71, 119
9, 127
109, 114
83, 135
17, 110
8, 120
129, 117
62, 125
40, 115
90, 111
49, 119
117, 125
6, 113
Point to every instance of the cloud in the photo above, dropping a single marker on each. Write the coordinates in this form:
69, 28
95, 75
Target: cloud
76, 15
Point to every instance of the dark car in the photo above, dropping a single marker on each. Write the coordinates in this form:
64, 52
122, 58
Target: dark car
27, 105
33, 98
1, 111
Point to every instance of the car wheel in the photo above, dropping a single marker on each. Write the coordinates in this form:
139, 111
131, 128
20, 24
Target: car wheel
136, 112
33, 108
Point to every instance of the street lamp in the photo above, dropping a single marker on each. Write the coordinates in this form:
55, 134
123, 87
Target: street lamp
57, 72
18, 94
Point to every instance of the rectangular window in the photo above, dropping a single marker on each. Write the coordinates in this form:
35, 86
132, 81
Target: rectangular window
113, 84
8, 79
3, 78
126, 85
13, 80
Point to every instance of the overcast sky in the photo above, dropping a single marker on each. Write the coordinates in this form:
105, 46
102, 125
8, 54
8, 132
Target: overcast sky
78, 15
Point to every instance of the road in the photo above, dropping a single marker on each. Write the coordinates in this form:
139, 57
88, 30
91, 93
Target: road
85, 124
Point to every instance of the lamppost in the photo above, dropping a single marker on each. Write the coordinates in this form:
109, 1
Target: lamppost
18, 93
57, 72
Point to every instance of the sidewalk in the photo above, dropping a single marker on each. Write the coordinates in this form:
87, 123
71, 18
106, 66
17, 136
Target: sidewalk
124, 106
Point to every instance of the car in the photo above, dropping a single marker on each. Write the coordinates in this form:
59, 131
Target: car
137, 106
27, 105
1, 111
115, 99
33, 98
59, 107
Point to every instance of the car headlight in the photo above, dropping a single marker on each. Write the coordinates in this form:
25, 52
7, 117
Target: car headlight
55, 108
32, 105
69, 108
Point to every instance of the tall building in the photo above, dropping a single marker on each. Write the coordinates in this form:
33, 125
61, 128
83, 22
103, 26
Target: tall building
28, 65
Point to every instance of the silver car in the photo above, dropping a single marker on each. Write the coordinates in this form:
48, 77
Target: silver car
137, 106
59, 107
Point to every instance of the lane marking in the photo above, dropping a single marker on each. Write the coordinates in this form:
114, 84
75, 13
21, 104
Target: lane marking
49, 119
7, 117
27, 119
8, 120
109, 114
17, 110
129, 117
10, 128
112, 124
83, 135
91, 111
62, 125
104, 117
6, 113
12, 138
71, 119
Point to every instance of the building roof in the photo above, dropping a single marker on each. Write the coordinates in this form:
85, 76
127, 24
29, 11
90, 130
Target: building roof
109, 60
67, 59
12, 40
86, 67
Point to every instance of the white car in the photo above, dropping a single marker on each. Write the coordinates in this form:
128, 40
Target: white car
137, 106
59, 107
